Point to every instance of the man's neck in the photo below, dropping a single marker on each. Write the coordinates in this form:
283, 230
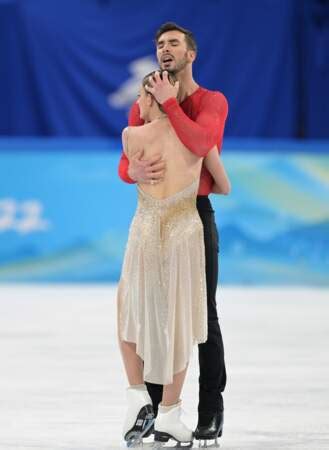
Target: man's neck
187, 86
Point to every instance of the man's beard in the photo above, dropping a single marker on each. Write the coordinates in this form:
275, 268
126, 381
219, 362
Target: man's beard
179, 66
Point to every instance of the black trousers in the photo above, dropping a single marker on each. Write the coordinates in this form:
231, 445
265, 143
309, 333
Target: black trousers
212, 379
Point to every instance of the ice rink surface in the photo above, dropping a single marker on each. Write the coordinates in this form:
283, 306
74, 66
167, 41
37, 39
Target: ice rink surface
62, 384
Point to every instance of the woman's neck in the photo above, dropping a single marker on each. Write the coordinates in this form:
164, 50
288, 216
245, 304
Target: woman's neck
156, 115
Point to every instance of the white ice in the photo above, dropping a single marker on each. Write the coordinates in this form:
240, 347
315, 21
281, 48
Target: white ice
62, 384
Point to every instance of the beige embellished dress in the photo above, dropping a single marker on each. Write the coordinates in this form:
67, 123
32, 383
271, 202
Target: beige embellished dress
162, 298
162, 291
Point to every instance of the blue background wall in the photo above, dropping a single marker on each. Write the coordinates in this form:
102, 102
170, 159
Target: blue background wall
72, 68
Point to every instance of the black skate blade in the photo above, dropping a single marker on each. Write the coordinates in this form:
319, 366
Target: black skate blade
142, 427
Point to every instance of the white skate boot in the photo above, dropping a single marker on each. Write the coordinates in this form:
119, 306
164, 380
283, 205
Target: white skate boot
140, 416
168, 425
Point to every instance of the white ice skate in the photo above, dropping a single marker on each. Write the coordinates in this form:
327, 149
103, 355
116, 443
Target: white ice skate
139, 418
168, 425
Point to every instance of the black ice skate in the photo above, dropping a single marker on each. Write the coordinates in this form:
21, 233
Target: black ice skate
209, 428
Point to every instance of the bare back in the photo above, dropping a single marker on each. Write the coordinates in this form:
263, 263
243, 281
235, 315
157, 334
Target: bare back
158, 137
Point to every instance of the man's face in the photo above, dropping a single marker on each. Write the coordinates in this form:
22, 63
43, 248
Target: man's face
172, 52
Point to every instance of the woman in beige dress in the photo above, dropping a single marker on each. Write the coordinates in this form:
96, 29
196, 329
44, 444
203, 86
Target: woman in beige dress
162, 304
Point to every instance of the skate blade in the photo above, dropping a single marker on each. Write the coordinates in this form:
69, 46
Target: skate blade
136, 439
172, 443
143, 424
203, 443
161, 445
140, 444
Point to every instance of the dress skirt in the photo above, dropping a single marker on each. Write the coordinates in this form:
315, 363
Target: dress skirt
162, 298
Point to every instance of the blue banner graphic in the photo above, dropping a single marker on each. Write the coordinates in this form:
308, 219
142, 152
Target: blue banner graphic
65, 214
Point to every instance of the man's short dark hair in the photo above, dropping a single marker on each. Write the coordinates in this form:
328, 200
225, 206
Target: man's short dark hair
172, 26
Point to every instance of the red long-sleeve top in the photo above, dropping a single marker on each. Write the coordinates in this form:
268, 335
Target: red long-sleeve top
199, 123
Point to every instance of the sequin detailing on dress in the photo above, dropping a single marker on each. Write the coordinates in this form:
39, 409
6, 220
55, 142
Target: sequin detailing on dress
162, 303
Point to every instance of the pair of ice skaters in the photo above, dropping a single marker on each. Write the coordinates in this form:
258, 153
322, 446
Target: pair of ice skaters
162, 295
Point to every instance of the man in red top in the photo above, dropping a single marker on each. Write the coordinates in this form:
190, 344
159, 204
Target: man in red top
198, 117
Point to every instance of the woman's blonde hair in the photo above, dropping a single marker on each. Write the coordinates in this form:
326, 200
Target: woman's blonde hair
171, 77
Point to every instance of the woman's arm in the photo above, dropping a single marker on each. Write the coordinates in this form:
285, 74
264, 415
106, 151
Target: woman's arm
215, 166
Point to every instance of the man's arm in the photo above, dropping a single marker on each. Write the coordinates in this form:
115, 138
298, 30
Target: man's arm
198, 135
207, 130
216, 168
133, 120
123, 169
137, 169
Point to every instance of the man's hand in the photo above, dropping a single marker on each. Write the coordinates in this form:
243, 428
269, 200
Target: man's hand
162, 89
149, 171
